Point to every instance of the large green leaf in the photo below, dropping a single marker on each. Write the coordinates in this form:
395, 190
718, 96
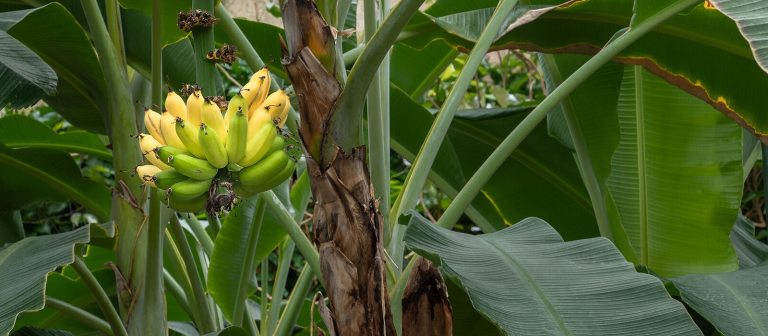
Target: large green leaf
733, 302
752, 19
24, 266
750, 251
538, 174
169, 10
11, 227
667, 167
18, 131
528, 281
24, 76
415, 77
682, 49
65, 47
30, 174
229, 251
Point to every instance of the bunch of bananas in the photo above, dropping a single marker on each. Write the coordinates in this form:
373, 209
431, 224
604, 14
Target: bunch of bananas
203, 158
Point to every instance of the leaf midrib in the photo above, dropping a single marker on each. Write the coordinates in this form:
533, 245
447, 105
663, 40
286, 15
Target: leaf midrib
531, 282
60, 146
641, 168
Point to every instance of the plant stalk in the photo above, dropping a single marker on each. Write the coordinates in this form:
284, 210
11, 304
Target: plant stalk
278, 286
101, 297
115, 28
78, 314
510, 143
198, 291
153, 302
764, 149
202, 43
249, 264
295, 302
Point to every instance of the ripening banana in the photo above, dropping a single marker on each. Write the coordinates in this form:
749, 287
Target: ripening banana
236, 103
212, 146
188, 135
256, 90
166, 152
189, 189
273, 105
211, 117
192, 205
166, 178
237, 136
152, 123
168, 127
256, 176
148, 145
192, 167
194, 107
146, 173
277, 144
175, 105
258, 145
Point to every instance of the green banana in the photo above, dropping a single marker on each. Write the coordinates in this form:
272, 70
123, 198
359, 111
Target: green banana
237, 103
273, 180
192, 205
259, 173
188, 135
166, 178
277, 144
259, 144
212, 147
189, 189
192, 167
236, 137
164, 153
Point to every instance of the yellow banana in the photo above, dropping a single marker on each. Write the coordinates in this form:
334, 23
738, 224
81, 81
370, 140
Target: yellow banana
192, 167
175, 105
256, 176
237, 136
236, 103
148, 145
152, 123
192, 205
212, 146
194, 107
273, 105
257, 88
257, 121
188, 135
168, 127
211, 117
189, 189
146, 173
258, 145
166, 178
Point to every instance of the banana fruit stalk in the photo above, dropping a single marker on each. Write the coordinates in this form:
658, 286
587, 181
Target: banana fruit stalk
205, 160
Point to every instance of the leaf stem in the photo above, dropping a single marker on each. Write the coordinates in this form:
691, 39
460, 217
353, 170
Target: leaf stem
76, 313
249, 263
154, 292
173, 287
109, 311
295, 301
510, 143
278, 286
199, 231
115, 28
198, 291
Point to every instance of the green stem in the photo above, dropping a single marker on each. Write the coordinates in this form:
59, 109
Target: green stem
249, 263
115, 29
78, 314
202, 236
100, 296
263, 281
348, 112
214, 223
285, 220
202, 43
396, 295
157, 54
295, 302
764, 150
154, 294
417, 176
505, 149
198, 291
278, 286
173, 287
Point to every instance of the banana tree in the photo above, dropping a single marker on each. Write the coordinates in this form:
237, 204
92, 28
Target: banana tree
656, 170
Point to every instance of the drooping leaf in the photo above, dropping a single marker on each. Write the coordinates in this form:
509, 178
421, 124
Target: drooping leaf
528, 281
58, 39
18, 131
24, 266
34, 173
752, 19
735, 303
229, 251
750, 251
24, 76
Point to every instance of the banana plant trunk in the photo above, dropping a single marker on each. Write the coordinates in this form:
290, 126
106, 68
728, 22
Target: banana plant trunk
347, 226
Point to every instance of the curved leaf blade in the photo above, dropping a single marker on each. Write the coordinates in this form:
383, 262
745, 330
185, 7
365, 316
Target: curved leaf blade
24, 266
24, 76
752, 19
733, 302
19, 131
551, 287
750, 251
